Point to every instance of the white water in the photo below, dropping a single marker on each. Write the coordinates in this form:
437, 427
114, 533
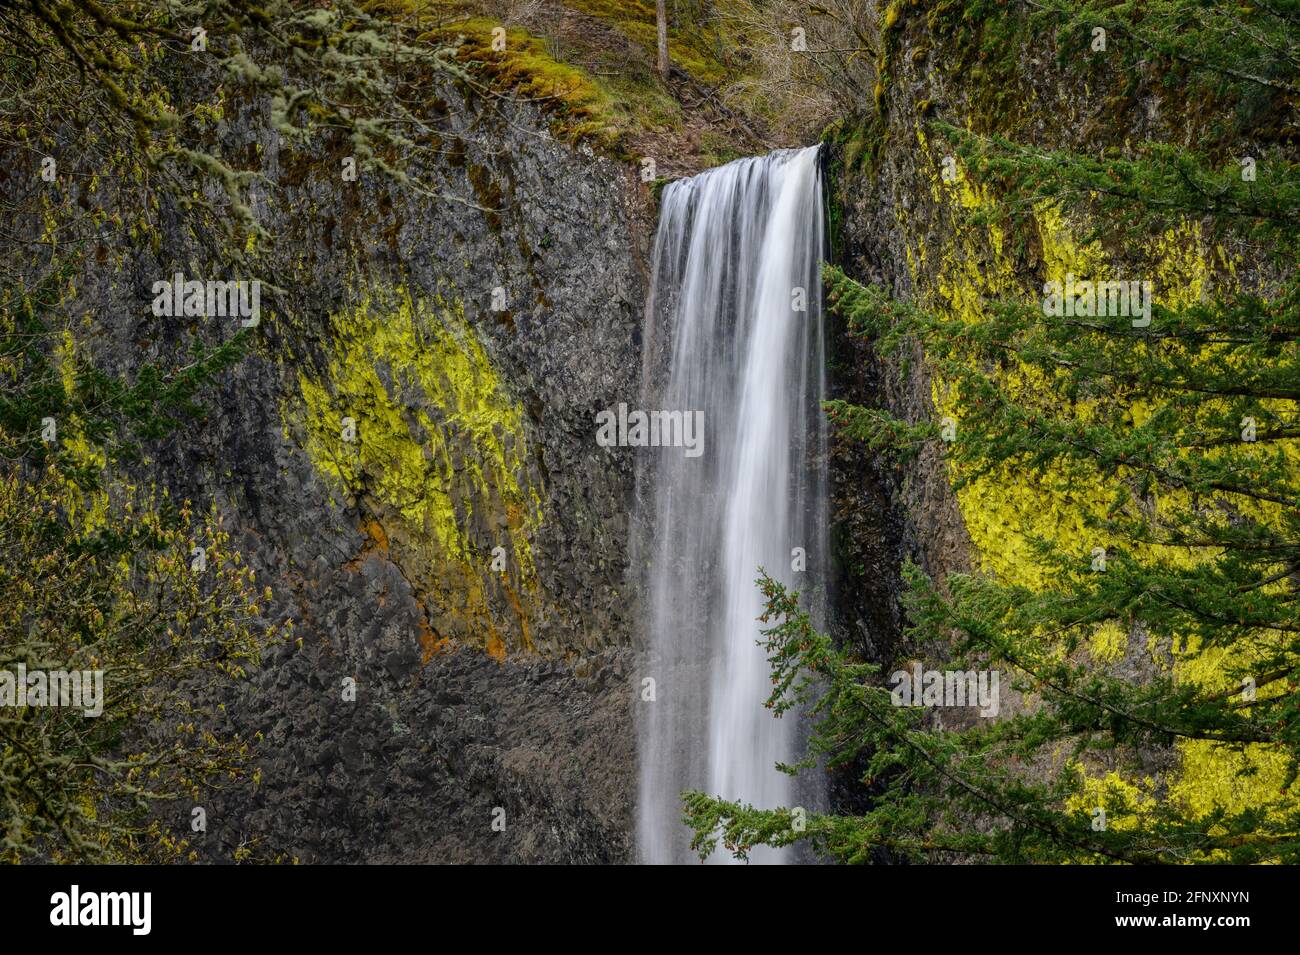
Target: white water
722, 335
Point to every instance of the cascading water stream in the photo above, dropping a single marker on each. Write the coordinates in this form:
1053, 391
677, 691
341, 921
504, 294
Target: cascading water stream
733, 329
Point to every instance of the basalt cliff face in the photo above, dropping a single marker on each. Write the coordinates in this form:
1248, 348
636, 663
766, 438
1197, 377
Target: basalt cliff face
463, 559
406, 458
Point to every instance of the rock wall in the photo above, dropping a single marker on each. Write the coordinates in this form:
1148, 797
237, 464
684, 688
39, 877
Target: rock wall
407, 458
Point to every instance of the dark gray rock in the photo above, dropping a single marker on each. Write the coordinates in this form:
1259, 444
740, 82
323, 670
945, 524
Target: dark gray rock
435, 741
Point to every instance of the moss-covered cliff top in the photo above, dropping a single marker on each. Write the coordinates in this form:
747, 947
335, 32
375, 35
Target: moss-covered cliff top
590, 66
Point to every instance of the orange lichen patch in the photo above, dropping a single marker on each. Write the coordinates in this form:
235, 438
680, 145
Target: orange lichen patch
432, 644
375, 531
519, 610
374, 545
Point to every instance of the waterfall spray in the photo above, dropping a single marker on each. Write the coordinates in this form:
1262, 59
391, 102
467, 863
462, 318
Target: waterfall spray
733, 329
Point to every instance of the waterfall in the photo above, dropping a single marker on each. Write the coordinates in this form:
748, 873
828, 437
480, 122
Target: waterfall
726, 333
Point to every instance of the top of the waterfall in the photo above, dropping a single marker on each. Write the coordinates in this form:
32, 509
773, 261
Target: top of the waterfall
776, 158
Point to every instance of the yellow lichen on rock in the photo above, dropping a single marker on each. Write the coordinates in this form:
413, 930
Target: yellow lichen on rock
410, 423
1003, 511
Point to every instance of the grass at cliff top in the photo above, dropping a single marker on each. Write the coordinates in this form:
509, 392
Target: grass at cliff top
698, 48
590, 64
598, 110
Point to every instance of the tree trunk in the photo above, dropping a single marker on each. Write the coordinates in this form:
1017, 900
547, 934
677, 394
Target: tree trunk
661, 24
